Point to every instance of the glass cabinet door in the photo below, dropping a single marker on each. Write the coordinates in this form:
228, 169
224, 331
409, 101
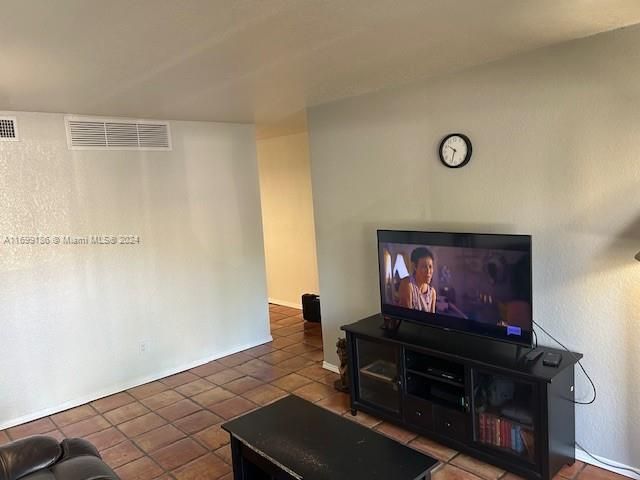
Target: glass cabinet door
378, 374
505, 414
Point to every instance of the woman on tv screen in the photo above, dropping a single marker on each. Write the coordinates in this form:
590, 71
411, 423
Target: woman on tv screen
416, 291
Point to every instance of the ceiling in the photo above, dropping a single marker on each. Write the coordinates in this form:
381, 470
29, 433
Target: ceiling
262, 60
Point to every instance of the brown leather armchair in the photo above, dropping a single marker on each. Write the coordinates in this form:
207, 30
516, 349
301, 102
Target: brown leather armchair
43, 458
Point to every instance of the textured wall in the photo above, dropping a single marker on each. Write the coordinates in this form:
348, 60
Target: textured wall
556, 154
287, 217
72, 317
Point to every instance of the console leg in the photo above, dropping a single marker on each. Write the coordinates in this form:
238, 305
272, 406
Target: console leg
354, 412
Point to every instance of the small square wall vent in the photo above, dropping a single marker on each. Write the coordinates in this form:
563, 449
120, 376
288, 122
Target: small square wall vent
8, 129
85, 133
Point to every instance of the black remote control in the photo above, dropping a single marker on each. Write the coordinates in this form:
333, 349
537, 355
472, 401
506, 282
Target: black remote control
533, 355
552, 359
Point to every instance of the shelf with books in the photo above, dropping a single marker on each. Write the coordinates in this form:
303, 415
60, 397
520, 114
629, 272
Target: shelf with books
506, 434
437, 378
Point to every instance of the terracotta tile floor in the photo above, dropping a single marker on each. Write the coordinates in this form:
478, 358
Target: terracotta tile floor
170, 429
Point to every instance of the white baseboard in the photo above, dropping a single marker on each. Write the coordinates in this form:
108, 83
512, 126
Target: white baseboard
285, 303
330, 367
582, 456
125, 386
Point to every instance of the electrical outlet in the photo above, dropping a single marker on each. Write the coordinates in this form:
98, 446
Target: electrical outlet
144, 346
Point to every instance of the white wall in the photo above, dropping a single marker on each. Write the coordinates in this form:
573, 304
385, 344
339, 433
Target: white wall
72, 317
287, 217
556, 138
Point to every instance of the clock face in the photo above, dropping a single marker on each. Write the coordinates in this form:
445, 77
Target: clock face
455, 150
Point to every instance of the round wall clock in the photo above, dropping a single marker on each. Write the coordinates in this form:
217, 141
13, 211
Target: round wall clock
455, 150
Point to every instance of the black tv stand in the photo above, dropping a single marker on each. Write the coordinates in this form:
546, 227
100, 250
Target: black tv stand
469, 393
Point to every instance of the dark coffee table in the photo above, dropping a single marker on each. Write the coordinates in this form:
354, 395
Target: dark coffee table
295, 439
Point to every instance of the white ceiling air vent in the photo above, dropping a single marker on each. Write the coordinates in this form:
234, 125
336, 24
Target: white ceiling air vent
8, 129
85, 133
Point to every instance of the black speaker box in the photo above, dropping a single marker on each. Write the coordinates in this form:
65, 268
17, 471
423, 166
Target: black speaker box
311, 307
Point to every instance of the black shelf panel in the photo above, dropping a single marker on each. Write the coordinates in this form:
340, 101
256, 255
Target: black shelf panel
435, 378
439, 402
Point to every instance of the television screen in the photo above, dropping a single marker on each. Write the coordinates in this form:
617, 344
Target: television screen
473, 283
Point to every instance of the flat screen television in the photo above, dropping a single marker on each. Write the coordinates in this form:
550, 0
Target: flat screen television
467, 282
